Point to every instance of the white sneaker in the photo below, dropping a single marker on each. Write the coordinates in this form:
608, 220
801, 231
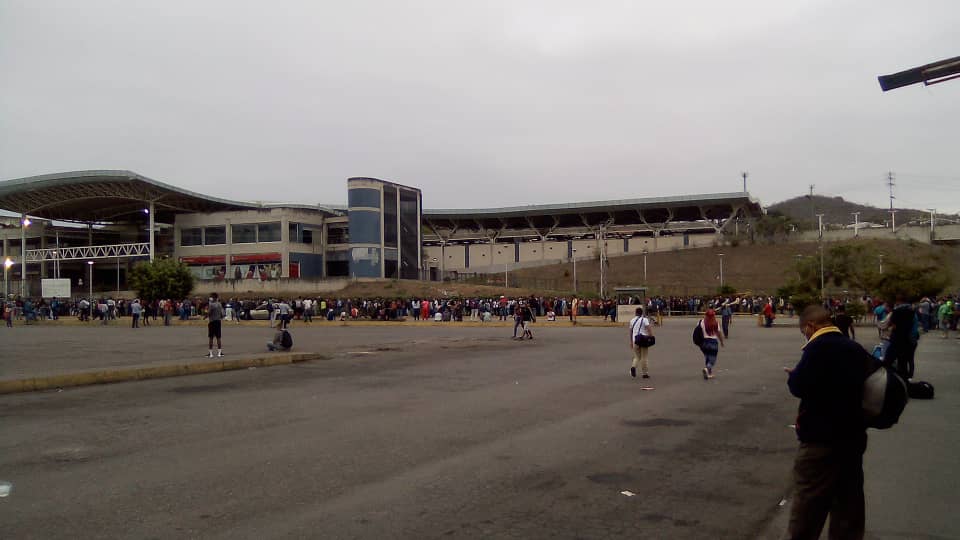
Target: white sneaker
220, 354
209, 355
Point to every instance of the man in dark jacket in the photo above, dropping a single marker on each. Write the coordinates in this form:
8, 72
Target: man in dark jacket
828, 470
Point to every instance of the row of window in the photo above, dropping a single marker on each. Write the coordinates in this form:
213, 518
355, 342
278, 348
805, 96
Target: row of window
244, 233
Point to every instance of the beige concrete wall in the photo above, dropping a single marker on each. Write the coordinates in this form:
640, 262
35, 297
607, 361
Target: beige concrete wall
503, 254
700, 240
479, 255
584, 248
614, 247
531, 251
455, 259
920, 234
271, 287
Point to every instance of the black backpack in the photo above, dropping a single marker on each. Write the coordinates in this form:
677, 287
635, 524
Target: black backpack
698, 335
286, 341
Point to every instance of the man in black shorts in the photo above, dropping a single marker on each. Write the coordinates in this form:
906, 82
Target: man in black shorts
215, 316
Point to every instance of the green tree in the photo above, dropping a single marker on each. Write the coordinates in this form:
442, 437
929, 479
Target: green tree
913, 281
161, 278
856, 267
727, 290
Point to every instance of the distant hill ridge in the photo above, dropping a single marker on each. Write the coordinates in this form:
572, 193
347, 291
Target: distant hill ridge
838, 211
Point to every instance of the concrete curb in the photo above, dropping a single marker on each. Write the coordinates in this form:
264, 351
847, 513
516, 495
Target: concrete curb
140, 373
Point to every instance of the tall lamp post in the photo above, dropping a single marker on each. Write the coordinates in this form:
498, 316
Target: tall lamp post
6, 270
574, 251
644, 266
24, 223
820, 241
90, 266
721, 269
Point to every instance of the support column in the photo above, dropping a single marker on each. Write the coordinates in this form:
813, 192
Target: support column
23, 255
150, 212
228, 238
285, 251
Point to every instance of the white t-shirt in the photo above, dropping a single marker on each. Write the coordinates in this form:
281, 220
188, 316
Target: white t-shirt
639, 325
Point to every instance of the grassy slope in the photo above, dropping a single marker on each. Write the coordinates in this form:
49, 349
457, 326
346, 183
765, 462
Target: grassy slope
756, 268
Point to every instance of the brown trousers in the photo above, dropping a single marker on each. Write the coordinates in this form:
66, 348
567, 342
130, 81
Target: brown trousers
828, 480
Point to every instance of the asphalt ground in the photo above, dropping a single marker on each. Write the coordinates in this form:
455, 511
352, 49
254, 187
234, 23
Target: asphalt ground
445, 431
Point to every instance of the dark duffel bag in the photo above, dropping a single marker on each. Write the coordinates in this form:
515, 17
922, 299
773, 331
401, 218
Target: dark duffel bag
920, 390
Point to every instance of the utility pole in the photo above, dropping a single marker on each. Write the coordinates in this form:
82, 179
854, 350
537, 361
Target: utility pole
890, 184
744, 175
820, 218
933, 218
721, 269
893, 217
856, 224
812, 210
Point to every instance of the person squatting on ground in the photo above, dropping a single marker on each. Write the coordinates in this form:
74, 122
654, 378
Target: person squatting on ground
282, 341
712, 341
214, 327
639, 325
831, 428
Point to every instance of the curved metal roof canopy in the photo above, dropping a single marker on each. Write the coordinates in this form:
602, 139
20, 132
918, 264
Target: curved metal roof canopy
619, 215
105, 197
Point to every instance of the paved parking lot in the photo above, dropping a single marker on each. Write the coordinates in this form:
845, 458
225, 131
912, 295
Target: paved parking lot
429, 432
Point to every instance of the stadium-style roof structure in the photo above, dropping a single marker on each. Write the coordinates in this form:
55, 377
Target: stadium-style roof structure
619, 218
110, 196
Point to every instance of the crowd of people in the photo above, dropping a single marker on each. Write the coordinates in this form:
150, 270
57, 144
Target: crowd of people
933, 313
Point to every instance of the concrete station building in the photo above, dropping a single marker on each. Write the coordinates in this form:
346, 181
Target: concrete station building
95, 224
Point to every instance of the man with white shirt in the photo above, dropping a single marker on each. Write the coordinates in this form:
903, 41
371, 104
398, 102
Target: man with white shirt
135, 310
307, 310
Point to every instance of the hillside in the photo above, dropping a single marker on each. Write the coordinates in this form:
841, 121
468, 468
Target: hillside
838, 211
756, 268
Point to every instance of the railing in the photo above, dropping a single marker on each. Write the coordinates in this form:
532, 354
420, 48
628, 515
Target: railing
112, 251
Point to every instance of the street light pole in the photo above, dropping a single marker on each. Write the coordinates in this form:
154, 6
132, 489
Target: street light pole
933, 218
820, 225
24, 223
644, 266
6, 269
90, 266
721, 269
856, 224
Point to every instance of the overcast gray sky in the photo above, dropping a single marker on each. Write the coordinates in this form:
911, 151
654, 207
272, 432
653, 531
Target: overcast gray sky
485, 103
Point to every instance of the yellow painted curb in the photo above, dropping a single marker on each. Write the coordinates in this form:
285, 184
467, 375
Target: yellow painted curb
107, 376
